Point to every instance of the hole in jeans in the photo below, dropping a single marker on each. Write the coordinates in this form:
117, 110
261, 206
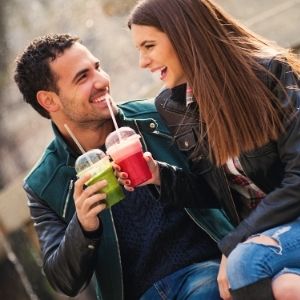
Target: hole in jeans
263, 240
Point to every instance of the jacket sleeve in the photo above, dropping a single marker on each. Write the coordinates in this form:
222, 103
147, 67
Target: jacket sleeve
282, 205
69, 255
185, 188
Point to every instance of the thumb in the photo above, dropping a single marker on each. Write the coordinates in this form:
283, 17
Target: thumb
154, 169
150, 161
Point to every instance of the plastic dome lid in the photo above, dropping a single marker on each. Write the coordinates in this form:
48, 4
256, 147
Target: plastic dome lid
85, 160
114, 137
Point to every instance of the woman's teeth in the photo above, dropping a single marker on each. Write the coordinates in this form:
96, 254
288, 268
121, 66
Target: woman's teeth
163, 72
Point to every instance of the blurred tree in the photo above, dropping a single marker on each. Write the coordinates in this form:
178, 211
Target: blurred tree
117, 7
8, 146
3, 79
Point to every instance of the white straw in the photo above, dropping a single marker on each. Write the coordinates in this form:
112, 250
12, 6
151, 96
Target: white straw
114, 119
77, 143
74, 138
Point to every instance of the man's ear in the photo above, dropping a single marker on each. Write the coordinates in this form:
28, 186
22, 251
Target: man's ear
48, 100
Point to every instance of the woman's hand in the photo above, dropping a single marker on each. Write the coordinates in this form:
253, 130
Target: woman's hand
223, 280
153, 167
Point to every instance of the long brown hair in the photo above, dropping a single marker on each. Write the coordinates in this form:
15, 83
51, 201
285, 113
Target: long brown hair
222, 61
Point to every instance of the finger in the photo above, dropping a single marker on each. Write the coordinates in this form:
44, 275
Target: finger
225, 294
89, 203
128, 188
224, 291
96, 187
148, 157
124, 181
96, 202
123, 175
97, 209
89, 219
79, 185
89, 191
150, 161
116, 167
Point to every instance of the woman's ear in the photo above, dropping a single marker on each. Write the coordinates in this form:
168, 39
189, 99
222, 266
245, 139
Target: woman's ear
48, 100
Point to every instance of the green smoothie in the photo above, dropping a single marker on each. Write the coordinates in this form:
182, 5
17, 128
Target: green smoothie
97, 163
113, 189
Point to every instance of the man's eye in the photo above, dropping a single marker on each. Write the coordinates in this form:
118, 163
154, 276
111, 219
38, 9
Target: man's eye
98, 67
83, 76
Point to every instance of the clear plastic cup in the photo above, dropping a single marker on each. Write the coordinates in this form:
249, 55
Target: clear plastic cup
96, 163
128, 154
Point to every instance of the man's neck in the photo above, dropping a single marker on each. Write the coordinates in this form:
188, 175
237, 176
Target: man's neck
89, 137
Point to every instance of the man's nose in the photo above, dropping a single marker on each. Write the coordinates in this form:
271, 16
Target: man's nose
102, 79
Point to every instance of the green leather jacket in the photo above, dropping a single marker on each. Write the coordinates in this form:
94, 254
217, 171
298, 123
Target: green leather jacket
69, 256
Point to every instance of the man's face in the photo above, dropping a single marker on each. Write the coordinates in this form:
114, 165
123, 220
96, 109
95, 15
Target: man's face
83, 87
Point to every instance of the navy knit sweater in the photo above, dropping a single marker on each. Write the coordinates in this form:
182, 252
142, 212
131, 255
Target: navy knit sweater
156, 240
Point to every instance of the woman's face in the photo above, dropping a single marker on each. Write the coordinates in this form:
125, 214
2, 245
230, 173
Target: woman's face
157, 54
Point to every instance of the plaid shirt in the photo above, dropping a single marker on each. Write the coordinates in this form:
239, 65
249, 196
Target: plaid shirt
248, 194
189, 98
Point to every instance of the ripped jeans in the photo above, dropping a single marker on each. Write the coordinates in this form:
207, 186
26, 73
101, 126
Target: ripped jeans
250, 261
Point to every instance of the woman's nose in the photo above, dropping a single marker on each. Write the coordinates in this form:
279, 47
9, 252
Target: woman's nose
144, 61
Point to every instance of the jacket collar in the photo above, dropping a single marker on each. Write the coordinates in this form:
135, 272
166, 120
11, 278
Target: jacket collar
139, 125
179, 93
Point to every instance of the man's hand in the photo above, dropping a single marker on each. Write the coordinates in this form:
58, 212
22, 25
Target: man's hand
154, 169
89, 202
223, 280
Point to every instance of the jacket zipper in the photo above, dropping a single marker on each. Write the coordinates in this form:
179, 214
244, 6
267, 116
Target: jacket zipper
117, 242
200, 226
67, 198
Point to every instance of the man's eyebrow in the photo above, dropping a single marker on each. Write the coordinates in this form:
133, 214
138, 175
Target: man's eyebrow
83, 71
78, 74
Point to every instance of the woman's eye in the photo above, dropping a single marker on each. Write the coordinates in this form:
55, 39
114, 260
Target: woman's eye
149, 46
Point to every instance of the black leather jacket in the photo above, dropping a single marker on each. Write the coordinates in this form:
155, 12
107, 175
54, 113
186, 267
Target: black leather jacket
275, 167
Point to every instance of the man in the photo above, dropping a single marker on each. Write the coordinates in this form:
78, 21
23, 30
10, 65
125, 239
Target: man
139, 248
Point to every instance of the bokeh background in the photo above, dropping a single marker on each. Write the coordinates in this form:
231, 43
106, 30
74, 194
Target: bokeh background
101, 24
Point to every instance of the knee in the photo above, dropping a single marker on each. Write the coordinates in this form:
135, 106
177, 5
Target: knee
286, 287
246, 263
251, 253
239, 259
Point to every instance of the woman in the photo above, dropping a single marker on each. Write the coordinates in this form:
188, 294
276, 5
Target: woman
231, 103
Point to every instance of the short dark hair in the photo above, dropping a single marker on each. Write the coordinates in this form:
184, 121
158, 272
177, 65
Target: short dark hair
33, 73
